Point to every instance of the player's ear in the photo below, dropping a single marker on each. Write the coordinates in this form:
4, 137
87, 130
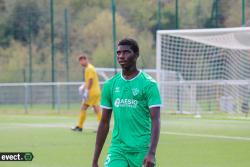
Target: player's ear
137, 55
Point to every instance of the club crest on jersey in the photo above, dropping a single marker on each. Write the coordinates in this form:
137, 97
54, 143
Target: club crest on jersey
135, 91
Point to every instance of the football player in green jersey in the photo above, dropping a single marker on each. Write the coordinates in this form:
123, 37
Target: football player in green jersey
134, 98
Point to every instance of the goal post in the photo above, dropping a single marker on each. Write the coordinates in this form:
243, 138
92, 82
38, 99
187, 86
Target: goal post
204, 70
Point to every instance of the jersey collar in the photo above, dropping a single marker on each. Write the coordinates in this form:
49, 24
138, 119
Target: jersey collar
131, 78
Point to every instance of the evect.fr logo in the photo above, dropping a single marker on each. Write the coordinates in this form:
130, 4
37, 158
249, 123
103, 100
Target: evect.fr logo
131, 103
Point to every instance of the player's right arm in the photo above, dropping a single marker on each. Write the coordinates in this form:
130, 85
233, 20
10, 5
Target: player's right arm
103, 129
102, 133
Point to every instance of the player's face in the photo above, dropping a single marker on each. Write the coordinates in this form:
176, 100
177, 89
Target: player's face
83, 62
126, 57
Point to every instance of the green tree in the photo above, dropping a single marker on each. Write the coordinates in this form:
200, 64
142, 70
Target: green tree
13, 62
98, 33
24, 14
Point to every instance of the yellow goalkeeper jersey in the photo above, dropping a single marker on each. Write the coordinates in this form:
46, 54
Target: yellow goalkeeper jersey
90, 73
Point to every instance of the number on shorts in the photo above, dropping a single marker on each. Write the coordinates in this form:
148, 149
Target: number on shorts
107, 161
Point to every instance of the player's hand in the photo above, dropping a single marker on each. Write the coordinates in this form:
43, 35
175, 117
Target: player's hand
85, 95
80, 89
95, 164
149, 160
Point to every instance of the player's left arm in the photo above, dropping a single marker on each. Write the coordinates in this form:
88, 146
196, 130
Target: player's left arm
155, 133
154, 104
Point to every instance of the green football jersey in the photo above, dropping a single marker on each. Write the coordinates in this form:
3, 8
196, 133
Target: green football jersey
130, 101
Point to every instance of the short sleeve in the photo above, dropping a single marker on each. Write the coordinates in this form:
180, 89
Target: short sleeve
106, 101
153, 96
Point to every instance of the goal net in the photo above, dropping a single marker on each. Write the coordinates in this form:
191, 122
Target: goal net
204, 71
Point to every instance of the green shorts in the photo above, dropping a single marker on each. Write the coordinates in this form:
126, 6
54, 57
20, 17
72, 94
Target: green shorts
118, 158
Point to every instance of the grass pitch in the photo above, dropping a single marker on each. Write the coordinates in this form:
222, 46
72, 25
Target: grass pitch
184, 141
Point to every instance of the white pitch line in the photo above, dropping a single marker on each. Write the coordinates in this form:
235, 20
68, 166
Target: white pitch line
93, 126
37, 125
207, 136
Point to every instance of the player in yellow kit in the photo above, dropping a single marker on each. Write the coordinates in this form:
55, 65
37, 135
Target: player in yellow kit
90, 92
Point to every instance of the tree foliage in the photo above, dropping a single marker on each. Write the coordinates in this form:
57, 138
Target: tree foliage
25, 17
26, 23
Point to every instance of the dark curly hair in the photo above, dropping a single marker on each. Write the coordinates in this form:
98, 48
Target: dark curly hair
130, 42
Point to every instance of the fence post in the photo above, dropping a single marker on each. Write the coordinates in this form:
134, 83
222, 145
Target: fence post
159, 15
179, 102
217, 13
52, 50
26, 96
243, 17
66, 53
30, 55
177, 14
30, 48
114, 33
58, 98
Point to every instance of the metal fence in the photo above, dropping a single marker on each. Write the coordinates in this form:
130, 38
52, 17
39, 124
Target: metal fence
178, 97
47, 97
38, 97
